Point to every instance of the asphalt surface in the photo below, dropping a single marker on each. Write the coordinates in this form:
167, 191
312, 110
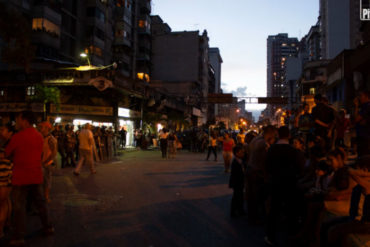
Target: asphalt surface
141, 200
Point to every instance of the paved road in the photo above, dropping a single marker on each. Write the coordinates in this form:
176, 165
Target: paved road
145, 201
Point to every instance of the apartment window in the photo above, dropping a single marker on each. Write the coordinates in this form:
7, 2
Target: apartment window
42, 24
100, 34
31, 91
96, 50
143, 76
95, 12
312, 91
120, 3
142, 23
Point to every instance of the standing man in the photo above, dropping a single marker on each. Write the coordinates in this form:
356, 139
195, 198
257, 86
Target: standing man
123, 134
362, 120
86, 140
282, 168
49, 152
323, 117
59, 134
256, 174
25, 149
163, 135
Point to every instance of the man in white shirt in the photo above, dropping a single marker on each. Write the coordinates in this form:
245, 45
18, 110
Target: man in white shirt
86, 146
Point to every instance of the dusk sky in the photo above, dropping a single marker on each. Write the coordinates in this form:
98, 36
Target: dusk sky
239, 28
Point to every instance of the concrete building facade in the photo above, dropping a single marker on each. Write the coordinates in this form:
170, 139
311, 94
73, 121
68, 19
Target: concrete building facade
180, 59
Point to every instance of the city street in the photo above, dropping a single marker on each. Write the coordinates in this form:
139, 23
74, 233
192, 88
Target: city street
143, 200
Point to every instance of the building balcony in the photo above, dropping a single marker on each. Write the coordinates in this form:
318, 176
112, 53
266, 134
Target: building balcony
144, 30
46, 38
122, 58
123, 14
142, 56
97, 42
122, 41
145, 44
315, 79
47, 13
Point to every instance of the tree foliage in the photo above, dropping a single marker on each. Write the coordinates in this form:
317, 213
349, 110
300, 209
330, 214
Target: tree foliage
44, 94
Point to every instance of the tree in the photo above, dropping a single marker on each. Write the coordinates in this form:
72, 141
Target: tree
46, 95
16, 32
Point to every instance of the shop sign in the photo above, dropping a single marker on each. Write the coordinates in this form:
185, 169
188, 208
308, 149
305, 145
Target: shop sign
18, 107
101, 83
82, 110
220, 98
124, 112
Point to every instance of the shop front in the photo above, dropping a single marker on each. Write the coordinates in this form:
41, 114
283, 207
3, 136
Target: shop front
126, 120
78, 115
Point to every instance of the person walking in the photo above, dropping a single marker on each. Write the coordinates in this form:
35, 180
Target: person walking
172, 141
49, 152
212, 145
227, 146
86, 139
25, 148
59, 134
70, 146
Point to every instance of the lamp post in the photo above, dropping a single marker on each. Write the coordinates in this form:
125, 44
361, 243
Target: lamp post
84, 55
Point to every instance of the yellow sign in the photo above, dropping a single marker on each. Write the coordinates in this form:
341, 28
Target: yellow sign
18, 107
82, 110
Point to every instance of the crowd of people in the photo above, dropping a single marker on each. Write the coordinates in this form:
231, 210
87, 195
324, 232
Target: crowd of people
28, 155
304, 182
297, 176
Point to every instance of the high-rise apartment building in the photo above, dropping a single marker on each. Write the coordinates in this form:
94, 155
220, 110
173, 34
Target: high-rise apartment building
339, 26
180, 63
107, 31
279, 48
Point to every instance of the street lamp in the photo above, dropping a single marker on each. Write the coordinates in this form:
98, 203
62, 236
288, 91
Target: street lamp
84, 55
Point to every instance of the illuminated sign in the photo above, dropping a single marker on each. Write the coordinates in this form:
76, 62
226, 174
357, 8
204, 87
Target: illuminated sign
364, 10
123, 112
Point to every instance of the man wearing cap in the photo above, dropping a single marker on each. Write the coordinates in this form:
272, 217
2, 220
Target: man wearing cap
49, 152
25, 149
87, 143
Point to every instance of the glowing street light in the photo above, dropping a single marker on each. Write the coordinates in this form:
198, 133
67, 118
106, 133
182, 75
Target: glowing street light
84, 55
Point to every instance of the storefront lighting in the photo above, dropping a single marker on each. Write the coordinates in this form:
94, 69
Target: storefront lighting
123, 112
159, 127
77, 122
58, 120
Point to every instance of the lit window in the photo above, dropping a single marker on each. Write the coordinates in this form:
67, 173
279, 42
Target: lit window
283, 44
31, 90
312, 91
143, 76
41, 24
120, 3
2, 92
142, 23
